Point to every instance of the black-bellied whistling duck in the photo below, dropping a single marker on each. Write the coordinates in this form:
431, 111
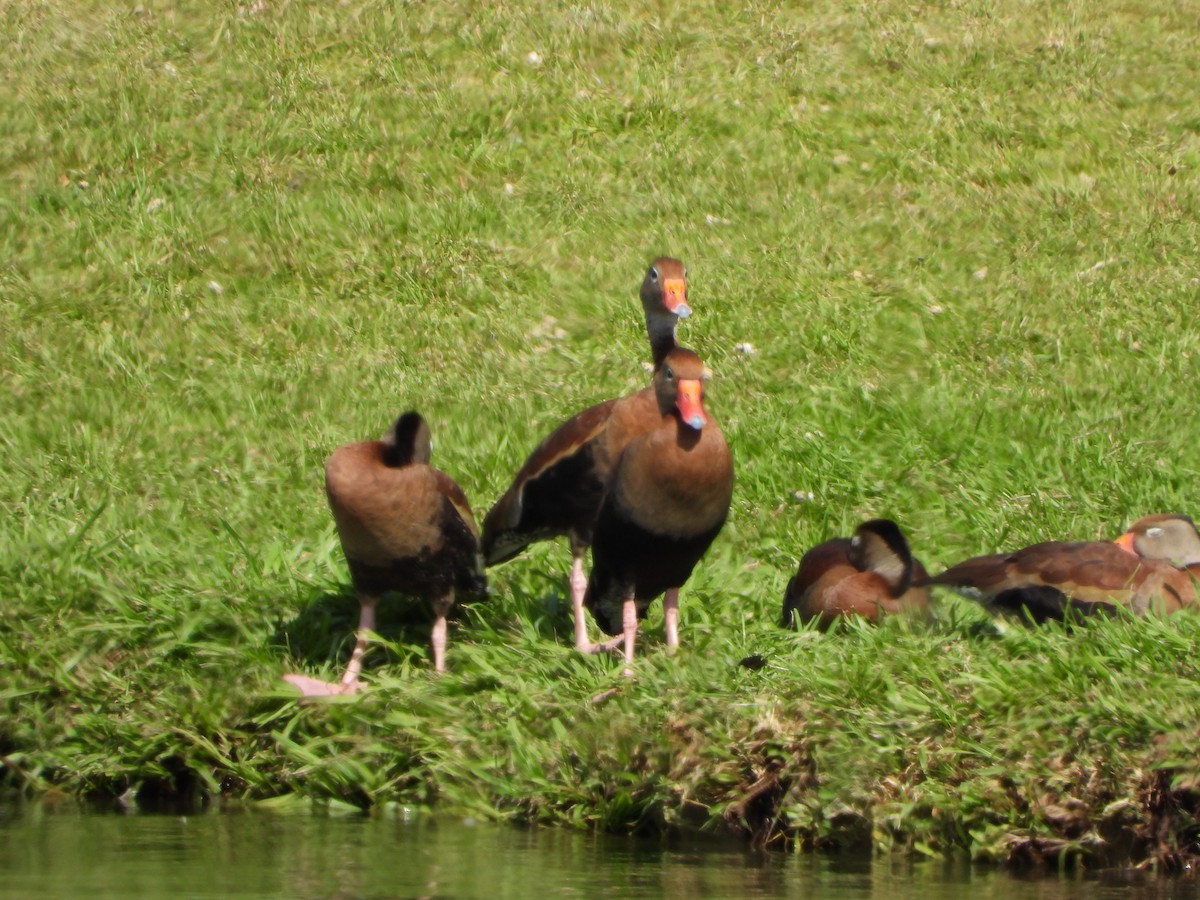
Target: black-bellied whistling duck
669, 497
869, 575
1144, 570
404, 526
559, 488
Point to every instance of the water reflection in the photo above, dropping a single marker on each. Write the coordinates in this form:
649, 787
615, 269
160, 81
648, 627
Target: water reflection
50, 851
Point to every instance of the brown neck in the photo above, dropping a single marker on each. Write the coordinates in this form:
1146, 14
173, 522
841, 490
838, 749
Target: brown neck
686, 437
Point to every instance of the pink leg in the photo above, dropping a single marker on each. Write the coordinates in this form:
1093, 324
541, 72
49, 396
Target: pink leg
578, 589
630, 623
366, 624
314, 687
671, 617
438, 637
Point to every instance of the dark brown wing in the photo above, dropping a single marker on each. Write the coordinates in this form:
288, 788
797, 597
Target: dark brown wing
449, 489
557, 491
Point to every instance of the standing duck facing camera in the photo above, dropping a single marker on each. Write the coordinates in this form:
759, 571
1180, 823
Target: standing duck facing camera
870, 575
559, 489
669, 497
405, 527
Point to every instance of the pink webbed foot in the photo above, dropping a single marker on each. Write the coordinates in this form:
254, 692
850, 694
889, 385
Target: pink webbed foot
609, 646
315, 687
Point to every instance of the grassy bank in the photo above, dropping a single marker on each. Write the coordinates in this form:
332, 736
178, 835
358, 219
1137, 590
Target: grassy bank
960, 242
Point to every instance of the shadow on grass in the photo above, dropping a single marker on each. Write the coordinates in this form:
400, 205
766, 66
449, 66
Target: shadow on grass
324, 629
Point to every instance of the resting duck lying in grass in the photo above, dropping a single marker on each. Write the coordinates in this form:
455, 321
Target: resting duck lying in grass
1145, 570
870, 575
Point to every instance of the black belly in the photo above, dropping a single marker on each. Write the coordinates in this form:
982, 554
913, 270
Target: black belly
432, 573
1044, 603
627, 556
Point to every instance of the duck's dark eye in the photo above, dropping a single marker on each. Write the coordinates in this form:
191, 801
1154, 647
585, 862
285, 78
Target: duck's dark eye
667, 373
653, 273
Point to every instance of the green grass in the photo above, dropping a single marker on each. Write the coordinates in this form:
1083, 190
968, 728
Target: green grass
961, 240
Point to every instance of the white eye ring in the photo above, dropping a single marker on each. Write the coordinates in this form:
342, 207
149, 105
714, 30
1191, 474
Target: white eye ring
653, 274
1154, 532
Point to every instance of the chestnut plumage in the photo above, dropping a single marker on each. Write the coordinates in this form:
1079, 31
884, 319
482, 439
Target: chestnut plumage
868, 575
558, 490
669, 497
404, 527
1143, 571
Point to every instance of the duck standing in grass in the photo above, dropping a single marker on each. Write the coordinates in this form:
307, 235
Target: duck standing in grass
870, 575
1145, 570
405, 527
670, 495
559, 489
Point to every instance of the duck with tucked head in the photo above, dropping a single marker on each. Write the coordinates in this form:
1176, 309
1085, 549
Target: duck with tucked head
869, 575
404, 527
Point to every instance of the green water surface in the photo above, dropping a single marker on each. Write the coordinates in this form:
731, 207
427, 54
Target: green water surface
49, 851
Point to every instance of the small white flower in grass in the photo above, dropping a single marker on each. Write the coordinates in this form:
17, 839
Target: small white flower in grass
1091, 270
647, 366
980, 274
840, 160
215, 287
170, 69
509, 187
935, 309
155, 204
745, 348
534, 58
804, 496
710, 219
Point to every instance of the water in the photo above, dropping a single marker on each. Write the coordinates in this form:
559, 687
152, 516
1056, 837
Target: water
52, 852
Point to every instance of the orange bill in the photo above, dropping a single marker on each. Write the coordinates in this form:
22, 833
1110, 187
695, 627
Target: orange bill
1125, 542
691, 409
675, 297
